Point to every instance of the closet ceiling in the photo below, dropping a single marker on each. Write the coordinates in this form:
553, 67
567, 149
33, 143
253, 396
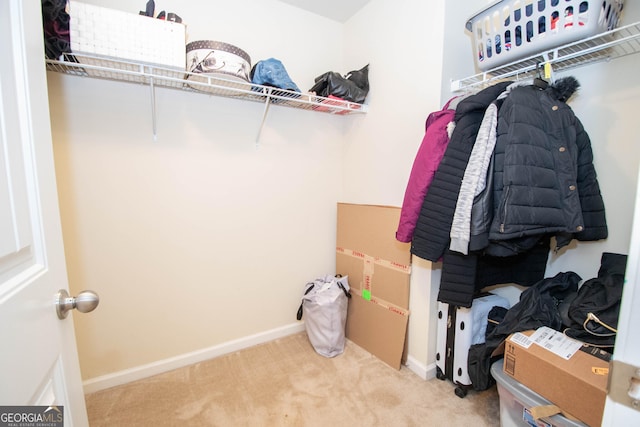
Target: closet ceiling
338, 10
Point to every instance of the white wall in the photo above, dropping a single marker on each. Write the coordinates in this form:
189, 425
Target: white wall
200, 240
403, 41
201, 237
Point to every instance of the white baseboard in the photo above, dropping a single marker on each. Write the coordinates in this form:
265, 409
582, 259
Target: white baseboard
133, 374
426, 372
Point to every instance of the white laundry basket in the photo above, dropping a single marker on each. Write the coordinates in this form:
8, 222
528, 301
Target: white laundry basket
509, 30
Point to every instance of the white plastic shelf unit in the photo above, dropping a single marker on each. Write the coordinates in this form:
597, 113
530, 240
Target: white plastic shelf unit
613, 44
155, 76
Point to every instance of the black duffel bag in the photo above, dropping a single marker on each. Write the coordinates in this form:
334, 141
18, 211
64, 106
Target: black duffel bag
593, 314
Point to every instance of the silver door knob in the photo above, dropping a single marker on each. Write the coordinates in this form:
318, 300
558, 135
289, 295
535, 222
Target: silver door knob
85, 302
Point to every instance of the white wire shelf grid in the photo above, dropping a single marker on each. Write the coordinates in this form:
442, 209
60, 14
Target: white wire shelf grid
613, 44
156, 76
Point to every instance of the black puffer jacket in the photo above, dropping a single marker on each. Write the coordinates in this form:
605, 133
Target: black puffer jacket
545, 182
431, 235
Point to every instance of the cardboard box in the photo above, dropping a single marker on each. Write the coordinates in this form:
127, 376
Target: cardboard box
518, 404
378, 267
562, 370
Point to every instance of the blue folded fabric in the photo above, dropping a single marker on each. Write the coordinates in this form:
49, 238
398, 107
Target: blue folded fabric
271, 72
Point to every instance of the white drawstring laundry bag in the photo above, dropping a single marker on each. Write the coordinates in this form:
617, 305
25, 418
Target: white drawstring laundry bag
325, 304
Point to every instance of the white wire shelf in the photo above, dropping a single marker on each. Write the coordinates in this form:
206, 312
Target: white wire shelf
109, 68
613, 44
128, 71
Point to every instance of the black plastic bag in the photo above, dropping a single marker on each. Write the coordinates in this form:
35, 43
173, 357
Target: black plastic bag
353, 87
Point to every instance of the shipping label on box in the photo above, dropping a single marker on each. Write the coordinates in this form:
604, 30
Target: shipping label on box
562, 370
378, 267
552, 340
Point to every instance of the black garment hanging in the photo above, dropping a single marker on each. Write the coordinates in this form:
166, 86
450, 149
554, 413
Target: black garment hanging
431, 235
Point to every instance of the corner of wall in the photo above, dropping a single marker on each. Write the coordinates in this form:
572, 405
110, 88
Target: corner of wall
422, 318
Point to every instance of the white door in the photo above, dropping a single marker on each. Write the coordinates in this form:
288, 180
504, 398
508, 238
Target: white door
38, 355
627, 349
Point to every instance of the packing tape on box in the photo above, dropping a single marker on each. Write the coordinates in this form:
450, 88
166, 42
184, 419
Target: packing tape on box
382, 303
375, 260
369, 267
545, 411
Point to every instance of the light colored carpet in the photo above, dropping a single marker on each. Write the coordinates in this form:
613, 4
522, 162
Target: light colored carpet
286, 383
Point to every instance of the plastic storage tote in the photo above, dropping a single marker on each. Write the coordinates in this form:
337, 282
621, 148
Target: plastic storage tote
516, 401
507, 31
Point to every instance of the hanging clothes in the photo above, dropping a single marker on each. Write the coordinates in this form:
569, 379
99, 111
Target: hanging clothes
474, 180
545, 182
540, 183
463, 276
438, 126
431, 234
474, 208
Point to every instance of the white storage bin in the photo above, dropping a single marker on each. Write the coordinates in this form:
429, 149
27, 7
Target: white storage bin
516, 401
509, 30
109, 33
